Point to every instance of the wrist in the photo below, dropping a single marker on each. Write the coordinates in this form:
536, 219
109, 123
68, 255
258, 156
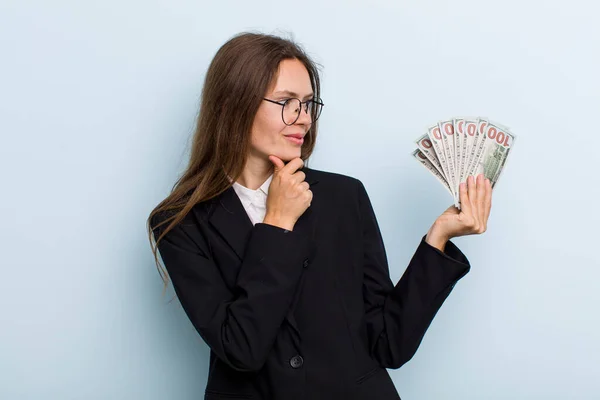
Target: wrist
279, 222
436, 239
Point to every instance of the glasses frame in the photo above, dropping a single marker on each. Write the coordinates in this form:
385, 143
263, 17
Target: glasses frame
282, 103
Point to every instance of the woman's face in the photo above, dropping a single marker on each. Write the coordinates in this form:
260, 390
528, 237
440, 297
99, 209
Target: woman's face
269, 132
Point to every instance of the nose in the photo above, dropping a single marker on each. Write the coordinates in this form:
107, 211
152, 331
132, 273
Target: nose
304, 117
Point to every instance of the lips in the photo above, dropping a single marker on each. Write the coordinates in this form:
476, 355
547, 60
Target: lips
295, 139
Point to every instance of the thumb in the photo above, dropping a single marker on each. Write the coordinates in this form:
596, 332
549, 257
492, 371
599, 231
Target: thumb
452, 210
277, 162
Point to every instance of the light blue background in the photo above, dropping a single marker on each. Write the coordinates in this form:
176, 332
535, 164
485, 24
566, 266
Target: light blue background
97, 104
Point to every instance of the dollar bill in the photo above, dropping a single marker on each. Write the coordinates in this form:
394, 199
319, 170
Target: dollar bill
447, 131
459, 139
459, 130
496, 145
425, 145
424, 161
467, 145
456, 148
477, 146
436, 139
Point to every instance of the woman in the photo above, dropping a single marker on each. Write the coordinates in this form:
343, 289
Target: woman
281, 268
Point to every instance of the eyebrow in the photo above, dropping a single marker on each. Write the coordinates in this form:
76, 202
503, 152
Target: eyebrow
292, 94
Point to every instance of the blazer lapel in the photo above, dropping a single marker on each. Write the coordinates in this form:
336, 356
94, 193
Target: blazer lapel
234, 225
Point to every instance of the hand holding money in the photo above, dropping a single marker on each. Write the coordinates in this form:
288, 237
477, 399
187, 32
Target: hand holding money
467, 156
476, 200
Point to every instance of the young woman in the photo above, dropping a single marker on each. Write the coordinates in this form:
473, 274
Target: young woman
281, 268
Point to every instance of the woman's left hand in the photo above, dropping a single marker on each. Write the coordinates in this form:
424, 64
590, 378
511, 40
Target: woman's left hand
476, 203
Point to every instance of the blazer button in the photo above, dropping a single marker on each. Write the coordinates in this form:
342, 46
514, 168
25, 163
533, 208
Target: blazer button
305, 263
296, 361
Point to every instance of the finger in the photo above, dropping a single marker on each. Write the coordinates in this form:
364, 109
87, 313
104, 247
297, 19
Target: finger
488, 200
481, 199
465, 203
277, 163
471, 189
452, 210
304, 186
299, 177
293, 166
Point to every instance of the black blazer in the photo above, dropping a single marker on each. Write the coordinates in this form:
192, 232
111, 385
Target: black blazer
309, 313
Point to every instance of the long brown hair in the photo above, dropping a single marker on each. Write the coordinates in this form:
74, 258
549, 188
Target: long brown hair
236, 81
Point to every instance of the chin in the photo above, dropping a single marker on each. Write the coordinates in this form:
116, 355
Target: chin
288, 156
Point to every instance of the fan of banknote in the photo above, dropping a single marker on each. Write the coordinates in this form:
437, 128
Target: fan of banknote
456, 148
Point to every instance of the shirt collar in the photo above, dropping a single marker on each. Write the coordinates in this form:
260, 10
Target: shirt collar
249, 195
265, 186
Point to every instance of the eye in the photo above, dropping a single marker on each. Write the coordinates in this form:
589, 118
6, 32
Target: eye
292, 104
308, 105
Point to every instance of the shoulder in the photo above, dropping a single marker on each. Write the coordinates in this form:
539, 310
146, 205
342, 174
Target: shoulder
189, 222
343, 196
337, 185
161, 219
187, 234
333, 180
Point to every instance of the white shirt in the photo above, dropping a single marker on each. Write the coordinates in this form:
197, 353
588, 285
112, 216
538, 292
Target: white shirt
254, 201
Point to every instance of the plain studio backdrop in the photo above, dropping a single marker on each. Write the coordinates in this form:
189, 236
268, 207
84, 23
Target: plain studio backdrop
98, 101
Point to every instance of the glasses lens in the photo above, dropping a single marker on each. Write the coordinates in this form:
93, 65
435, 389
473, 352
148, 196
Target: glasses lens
315, 110
291, 111
292, 108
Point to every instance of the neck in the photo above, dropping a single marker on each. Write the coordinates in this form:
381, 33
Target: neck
255, 173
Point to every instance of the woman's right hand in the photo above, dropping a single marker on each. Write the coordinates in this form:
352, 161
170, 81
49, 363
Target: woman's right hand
289, 195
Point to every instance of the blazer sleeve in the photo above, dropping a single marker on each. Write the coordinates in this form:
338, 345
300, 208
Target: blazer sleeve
239, 325
397, 316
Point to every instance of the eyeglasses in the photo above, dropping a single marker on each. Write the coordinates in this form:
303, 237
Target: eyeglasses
291, 108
